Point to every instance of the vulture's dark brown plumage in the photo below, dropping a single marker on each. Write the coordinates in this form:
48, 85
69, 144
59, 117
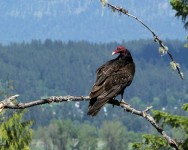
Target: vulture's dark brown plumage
112, 78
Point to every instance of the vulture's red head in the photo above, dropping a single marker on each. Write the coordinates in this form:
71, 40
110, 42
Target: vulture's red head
120, 49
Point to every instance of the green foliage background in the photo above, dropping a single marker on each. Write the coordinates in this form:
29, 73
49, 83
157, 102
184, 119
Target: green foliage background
39, 69
44, 68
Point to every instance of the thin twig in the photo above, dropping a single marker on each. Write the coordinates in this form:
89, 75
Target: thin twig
156, 38
9, 104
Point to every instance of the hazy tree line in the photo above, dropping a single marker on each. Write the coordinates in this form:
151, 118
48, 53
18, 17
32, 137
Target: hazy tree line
44, 68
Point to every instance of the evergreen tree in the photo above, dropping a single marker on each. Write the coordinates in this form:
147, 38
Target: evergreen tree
15, 134
181, 7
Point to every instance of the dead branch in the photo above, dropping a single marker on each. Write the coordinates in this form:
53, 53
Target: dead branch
9, 103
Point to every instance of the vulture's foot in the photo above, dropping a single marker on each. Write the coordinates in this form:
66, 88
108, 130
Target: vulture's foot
122, 101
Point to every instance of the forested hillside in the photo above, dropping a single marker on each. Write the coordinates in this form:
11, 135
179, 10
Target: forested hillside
45, 68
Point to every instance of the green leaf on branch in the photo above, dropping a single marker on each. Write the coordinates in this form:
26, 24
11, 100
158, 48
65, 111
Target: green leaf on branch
185, 107
181, 8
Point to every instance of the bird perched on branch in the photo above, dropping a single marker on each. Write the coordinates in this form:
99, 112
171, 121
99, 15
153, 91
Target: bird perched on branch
112, 78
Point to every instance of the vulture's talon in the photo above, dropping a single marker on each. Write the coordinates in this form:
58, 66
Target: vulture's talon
123, 102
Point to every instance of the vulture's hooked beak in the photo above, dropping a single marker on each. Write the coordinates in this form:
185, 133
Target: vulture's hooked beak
114, 52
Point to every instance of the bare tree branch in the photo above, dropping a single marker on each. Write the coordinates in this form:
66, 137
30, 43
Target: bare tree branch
10, 104
163, 49
149, 118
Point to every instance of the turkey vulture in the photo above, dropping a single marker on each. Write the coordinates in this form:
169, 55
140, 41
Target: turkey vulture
112, 78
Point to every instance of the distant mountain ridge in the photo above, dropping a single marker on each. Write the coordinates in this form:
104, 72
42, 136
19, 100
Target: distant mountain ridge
85, 20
